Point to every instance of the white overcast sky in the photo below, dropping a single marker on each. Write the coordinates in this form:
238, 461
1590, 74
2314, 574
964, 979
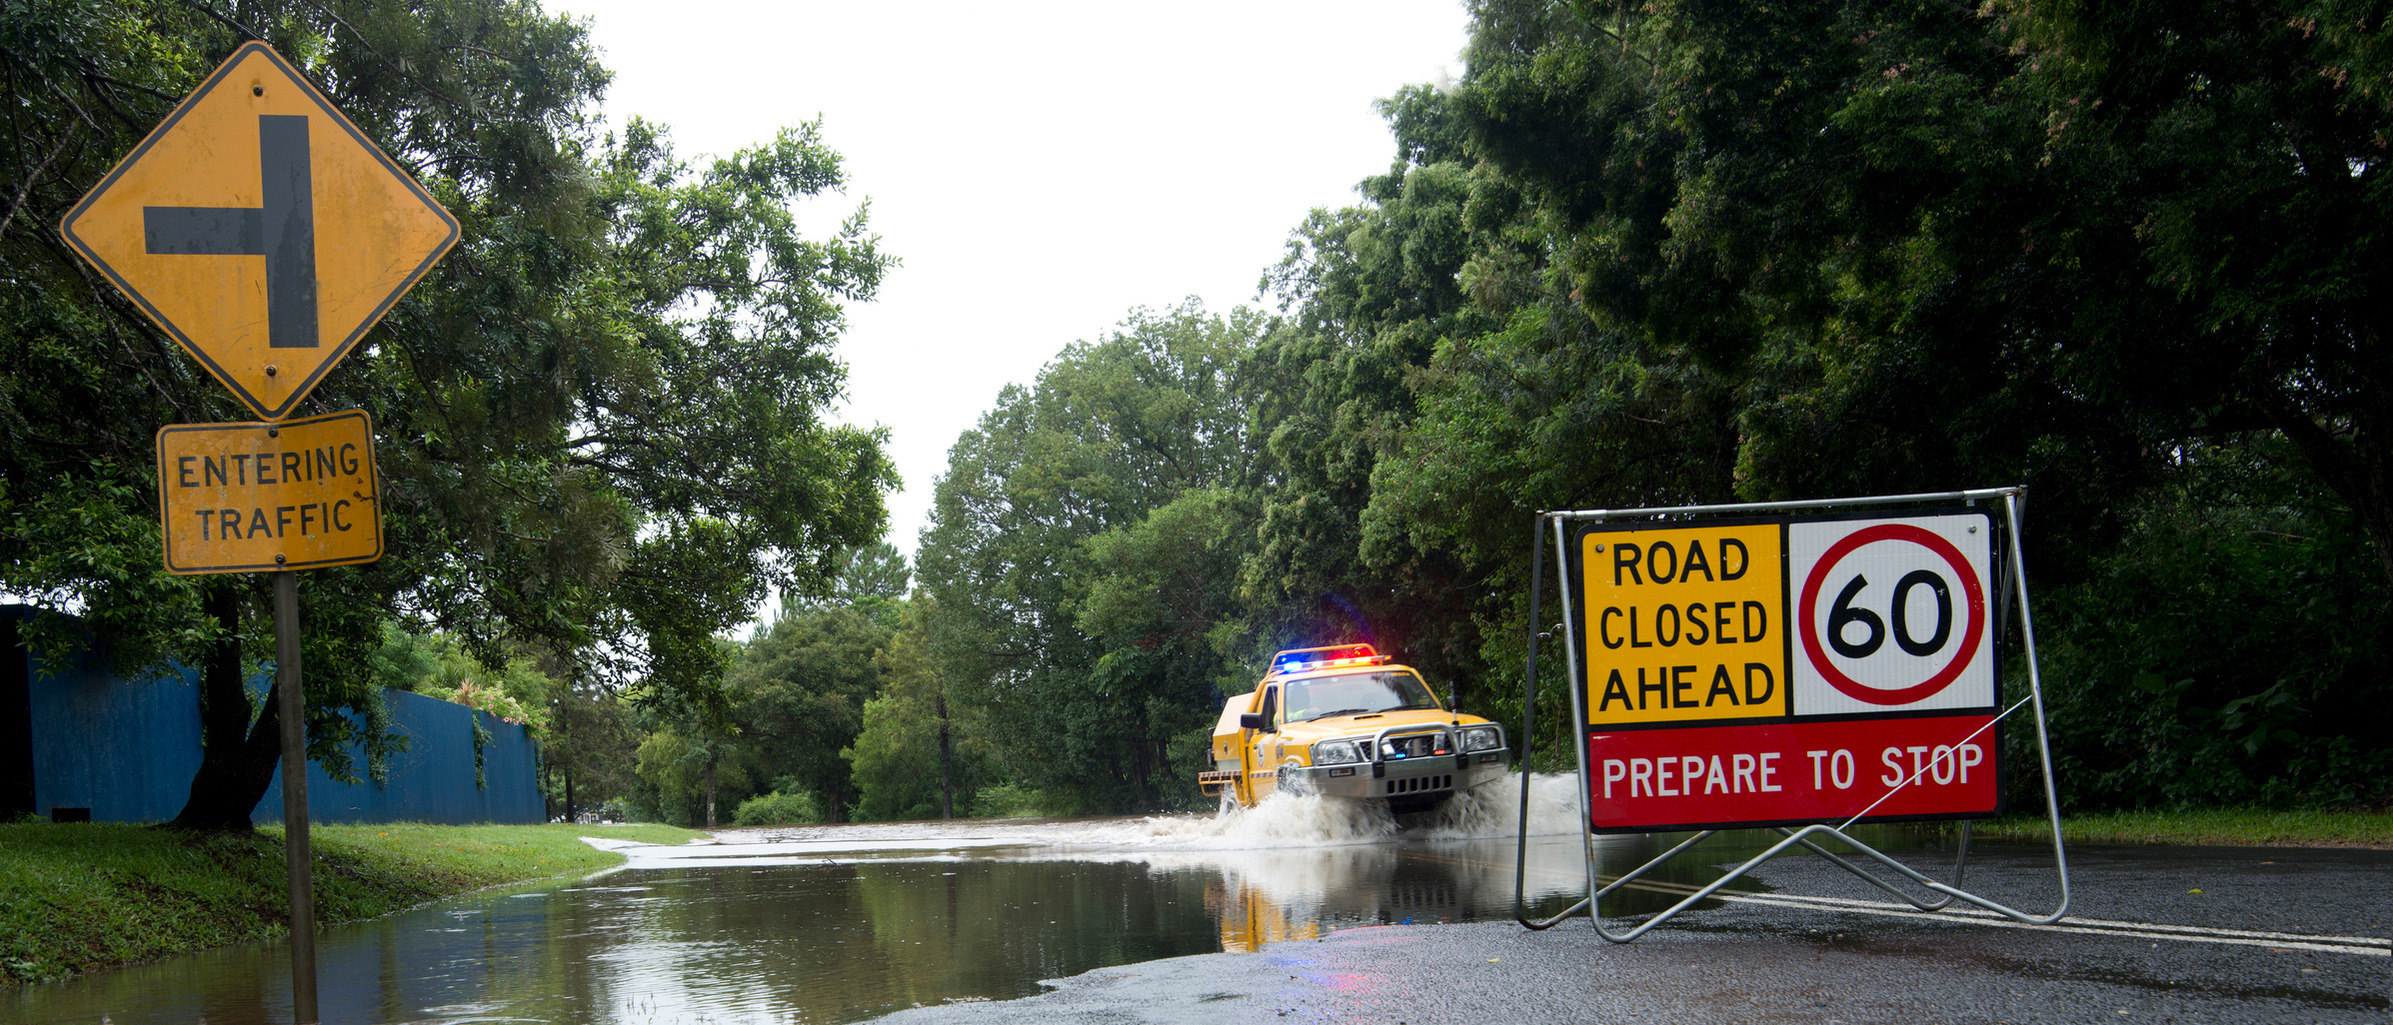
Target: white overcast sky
1040, 168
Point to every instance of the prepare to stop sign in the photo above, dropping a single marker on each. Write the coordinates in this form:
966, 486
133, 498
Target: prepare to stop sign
1789, 670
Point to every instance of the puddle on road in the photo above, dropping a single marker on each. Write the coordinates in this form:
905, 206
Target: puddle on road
844, 923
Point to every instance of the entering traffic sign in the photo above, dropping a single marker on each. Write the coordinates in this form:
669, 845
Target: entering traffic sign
261, 229
290, 495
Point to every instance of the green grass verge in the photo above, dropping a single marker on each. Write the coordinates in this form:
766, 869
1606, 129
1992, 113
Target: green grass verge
2229, 827
92, 895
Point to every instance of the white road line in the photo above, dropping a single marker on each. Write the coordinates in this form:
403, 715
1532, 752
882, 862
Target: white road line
2365, 946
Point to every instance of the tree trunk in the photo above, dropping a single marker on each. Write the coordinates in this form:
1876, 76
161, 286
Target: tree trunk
237, 757
947, 785
2359, 470
1139, 771
569, 795
710, 788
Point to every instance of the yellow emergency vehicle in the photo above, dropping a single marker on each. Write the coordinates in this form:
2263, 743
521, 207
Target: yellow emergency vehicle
1345, 721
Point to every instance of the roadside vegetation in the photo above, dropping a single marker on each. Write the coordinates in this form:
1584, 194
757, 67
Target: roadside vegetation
1636, 255
2223, 827
74, 898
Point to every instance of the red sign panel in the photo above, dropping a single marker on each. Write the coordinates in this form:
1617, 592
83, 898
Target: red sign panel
1792, 772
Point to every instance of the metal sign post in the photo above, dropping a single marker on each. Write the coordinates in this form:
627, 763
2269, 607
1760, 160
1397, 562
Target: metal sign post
212, 227
291, 706
1741, 666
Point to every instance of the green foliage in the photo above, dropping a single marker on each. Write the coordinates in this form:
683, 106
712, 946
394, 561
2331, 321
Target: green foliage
803, 685
2208, 827
672, 768
591, 751
2214, 657
1013, 801
438, 666
1111, 431
779, 808
599, 419
1700, 253
914, 758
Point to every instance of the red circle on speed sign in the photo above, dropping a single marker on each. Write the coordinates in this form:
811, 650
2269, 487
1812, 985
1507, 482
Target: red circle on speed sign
1973, 595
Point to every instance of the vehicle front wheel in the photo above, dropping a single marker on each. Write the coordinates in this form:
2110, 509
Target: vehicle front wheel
1290, 783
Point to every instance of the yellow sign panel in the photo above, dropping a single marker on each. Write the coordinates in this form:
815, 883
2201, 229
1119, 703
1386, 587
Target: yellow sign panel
299, 494
261, 229
1685, 624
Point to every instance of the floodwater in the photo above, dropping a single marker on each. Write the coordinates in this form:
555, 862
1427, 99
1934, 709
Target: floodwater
845, 923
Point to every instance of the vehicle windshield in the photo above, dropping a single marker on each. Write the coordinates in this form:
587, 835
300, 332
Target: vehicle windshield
1355, 694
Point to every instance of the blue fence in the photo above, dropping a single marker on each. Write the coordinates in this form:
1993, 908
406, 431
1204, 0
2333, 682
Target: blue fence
126, 751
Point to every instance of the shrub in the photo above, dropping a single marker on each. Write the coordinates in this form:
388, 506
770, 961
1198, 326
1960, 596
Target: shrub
1009, 801
779, 809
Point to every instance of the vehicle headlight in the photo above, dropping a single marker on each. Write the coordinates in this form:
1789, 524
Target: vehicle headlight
1483, 738
1336, 752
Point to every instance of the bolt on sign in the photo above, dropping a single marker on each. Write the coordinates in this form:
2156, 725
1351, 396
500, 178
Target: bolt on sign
258, 227
251, 497
1788, 670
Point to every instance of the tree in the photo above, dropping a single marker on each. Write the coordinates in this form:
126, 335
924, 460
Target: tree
598, 419
913, 759
1111, 430
1162, 603
1838, 248
803, 686
2243, 150
1371, 294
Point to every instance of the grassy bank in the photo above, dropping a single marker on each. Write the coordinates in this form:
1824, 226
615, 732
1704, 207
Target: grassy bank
90, 895
2230, 827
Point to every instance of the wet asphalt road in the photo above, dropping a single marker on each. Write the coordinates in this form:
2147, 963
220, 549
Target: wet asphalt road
1774, 958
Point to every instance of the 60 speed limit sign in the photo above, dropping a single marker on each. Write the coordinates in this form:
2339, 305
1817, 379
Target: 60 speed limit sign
1891, 615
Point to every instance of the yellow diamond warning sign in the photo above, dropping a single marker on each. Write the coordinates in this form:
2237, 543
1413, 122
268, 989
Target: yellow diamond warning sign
261, 229
298, 494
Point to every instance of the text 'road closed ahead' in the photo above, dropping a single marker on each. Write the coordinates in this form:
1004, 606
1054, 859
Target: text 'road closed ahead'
247, 497
1685, 624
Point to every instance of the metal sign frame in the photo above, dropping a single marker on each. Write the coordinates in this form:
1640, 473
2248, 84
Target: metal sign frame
1809, 836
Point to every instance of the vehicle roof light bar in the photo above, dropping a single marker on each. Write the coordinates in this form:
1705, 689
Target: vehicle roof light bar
1300, 660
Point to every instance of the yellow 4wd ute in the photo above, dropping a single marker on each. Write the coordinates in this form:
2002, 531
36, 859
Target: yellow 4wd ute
1345, 722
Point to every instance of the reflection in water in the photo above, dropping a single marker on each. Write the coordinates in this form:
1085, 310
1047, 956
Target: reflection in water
836, 924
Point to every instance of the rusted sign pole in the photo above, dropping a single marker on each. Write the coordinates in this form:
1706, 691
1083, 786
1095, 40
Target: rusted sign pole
293, 710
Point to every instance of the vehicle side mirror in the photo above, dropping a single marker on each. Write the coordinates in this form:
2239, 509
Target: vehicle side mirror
1250, 721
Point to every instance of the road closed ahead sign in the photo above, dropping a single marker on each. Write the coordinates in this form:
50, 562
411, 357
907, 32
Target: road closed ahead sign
1788, 670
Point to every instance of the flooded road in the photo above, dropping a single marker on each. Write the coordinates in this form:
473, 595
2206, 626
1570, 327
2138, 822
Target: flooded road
845, 923
1165, 920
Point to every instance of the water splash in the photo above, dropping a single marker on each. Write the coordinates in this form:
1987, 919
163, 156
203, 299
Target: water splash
1491, 810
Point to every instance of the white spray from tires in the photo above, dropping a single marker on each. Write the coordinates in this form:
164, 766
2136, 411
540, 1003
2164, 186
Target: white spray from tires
1488, 811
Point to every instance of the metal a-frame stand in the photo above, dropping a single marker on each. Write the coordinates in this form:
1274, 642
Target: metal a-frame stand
1809, 837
